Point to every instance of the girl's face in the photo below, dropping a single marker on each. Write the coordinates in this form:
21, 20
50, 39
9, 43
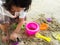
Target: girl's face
16, 9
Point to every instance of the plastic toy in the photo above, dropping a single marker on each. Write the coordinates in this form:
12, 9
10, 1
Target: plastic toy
14, 25
43, 26
56, 35
14, 43
49, 19
38, 35
23, 27
32, 28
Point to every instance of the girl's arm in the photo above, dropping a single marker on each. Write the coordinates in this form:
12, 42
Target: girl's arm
14, 16
21, 22
11, 16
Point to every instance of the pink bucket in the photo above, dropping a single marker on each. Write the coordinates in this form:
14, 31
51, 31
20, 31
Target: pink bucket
32, 28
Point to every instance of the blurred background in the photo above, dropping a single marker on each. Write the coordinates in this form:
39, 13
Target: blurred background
47, 7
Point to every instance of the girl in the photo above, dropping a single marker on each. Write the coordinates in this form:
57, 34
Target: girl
14, 12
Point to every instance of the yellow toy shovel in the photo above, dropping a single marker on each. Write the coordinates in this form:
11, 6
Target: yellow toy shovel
38, 35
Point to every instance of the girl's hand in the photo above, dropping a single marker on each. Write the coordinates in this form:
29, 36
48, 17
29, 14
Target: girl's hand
14, 16
13, 36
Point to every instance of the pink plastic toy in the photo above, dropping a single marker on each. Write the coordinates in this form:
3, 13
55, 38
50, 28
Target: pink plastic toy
32, 28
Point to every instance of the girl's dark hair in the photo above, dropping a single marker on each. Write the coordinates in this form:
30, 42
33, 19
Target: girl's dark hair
19, 3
